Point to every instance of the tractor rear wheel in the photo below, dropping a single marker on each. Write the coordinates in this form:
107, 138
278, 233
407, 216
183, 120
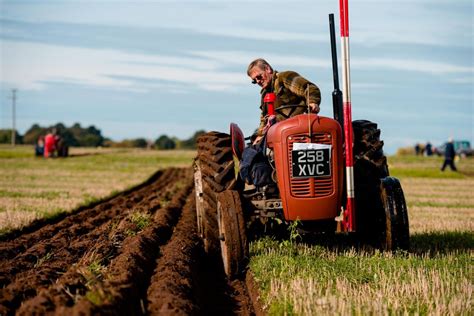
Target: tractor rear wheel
232, 233
395, 234
370, 166
213, 173
368, 150
382, 215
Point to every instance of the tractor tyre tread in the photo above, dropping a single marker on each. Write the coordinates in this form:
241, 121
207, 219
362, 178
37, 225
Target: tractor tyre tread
370, 165
214, 156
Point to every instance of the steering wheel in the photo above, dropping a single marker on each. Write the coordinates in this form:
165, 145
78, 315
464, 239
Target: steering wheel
293, 107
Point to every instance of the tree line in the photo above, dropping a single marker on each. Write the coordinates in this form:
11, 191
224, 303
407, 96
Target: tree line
78, 136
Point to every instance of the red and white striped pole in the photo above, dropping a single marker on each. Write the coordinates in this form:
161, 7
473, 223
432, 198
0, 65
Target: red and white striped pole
349, 213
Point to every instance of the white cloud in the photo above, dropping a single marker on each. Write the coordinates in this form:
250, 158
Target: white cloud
267, 34
425, 66
372, 22
29, 66
244, 58
418, 65
367, 86
463, 80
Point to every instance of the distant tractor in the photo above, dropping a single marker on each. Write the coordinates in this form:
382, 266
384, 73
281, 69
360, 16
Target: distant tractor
308, 155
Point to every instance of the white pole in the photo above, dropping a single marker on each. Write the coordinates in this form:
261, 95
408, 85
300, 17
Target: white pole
349, 216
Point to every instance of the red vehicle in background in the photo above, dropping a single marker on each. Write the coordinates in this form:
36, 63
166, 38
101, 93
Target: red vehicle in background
49, 145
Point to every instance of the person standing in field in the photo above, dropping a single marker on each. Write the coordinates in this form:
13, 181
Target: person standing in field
50, 144
429, 149
417, 149
449, 155
39, 147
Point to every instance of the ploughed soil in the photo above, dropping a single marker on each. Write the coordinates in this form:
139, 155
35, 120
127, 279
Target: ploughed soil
134, 253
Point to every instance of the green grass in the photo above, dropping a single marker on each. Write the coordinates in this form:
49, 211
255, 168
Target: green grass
139, 220
331, 277
318, 280
93, 274
48, 195
428, 167
439, 243
43, 259
19, 151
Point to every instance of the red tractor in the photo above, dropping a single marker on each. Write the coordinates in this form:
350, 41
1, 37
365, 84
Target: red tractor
308, 158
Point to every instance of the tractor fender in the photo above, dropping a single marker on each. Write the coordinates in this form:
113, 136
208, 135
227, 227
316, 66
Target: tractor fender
237, 140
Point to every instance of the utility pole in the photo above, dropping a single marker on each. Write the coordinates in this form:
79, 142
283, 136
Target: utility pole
13, 117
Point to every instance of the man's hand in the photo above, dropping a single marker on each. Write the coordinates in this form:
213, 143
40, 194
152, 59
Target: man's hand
314, 108
257, 140
271, 119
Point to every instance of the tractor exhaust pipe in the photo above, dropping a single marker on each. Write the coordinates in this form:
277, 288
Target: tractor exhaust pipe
336, 94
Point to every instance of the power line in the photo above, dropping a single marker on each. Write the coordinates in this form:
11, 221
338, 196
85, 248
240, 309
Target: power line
13, 97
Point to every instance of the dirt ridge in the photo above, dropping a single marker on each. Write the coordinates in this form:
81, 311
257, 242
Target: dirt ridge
136, 253
41, 222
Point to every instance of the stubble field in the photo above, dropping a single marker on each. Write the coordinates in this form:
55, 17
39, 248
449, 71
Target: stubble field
32, 188
327, 277
137, 252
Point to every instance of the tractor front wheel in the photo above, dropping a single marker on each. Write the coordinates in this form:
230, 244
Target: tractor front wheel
394, 219
232, 233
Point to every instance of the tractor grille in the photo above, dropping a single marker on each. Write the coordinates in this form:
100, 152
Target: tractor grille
310, 187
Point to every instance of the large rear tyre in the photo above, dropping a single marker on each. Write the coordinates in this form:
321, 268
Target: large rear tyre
232, 233
213, 173
368, 150
370, 166
382, 214
396, 234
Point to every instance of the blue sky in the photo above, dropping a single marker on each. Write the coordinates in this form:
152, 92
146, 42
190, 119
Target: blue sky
147, 68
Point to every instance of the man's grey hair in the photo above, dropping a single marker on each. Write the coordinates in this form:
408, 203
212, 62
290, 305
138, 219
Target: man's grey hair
260, 63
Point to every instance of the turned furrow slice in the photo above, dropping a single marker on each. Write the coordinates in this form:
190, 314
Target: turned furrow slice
126, 278
171, 291
59, 271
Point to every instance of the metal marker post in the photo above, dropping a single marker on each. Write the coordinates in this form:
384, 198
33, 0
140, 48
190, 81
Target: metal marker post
349, 214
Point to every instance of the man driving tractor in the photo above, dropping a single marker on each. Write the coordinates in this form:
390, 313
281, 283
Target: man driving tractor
289, 87
286, 88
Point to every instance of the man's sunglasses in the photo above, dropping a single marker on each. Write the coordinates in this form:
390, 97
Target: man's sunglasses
258, 78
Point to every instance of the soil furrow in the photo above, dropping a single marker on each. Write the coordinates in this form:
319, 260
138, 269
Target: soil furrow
11, 248
127, 277
75, 225
186, 282
171, 287
137, 253
50, 259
